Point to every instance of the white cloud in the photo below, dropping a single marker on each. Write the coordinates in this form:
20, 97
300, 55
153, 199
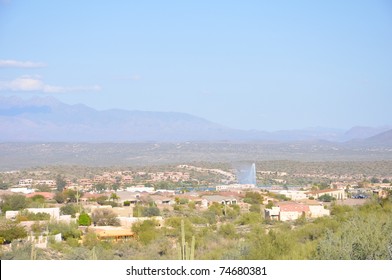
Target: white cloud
20, 64
27, 83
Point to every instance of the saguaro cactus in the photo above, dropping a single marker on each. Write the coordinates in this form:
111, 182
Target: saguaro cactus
93, 254
186, 252
33, 254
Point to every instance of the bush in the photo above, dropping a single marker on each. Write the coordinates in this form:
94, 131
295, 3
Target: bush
69, 209
151, 211
111, 203
146, 231
59, 197
253, 198
249, 218
326, 198
10, 231
84, 219
38, 198
101, 199
105, 217
13, 202
255, 208
228, 231
29, 216
67, 230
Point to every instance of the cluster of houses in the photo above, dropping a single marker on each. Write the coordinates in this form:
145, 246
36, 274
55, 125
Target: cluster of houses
120, 177
31, 182
301, 204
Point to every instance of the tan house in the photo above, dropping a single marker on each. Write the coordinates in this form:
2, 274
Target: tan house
220, 199
290, 211
112, 233
338, 194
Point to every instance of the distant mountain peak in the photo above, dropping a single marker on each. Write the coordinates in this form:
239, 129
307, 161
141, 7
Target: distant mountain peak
363, 132
48, 119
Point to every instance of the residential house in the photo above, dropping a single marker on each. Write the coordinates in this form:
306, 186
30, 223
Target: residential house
292, 194
338, 194
46, 195
290, 211
26, 182
220, 199
53, 212
112, 233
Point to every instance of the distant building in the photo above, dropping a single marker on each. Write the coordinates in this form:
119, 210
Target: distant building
140, 188
220, 199
293, 211
53, 212
25, 182
338, 194
21, 190
292, 194
112, 233
46, 195
235, 187
50, 183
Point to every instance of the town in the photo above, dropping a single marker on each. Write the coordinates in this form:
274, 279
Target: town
156, 207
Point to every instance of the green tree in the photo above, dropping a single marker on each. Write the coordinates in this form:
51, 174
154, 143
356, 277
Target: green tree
84, 219
146, 231
114, 197
13, 202
37, 201
374, 180
228, 231
253, 198
105, 217
90, 240
102, 199
4, 186
60, 183
116, 187
67, 230
100, 187
10, 231
326, 198
59, 197
69, 209
71, 195
151, 211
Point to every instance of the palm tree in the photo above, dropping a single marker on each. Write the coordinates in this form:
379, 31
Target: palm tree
114, 197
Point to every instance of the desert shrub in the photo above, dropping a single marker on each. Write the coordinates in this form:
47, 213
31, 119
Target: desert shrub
105, 217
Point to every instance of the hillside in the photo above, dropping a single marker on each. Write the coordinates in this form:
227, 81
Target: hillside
46, 119
49, 120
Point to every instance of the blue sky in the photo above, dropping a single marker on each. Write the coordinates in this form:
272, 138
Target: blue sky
266, 65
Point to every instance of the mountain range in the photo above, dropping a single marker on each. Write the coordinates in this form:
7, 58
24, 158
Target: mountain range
46, 119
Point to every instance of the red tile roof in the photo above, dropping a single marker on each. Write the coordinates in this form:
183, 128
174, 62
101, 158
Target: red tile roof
294, 207
46, 195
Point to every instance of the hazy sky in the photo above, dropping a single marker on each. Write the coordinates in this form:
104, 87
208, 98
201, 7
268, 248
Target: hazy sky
265, 65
